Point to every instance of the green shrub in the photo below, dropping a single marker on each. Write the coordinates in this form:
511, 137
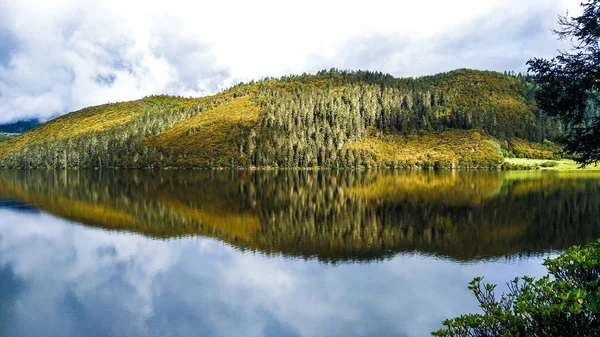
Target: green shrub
507, 153
564, 303
525, 149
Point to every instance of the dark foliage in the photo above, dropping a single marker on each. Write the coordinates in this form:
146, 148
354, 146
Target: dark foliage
569, 84
564, 303
19, 127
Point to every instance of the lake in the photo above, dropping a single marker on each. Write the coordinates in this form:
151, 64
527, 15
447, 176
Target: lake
273, 253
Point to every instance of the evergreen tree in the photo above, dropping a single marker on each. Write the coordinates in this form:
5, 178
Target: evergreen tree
569, 84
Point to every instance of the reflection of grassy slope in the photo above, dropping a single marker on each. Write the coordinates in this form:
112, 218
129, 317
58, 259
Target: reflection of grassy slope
328, 215
221, 217
450, 189
520, 183
212, 138
144, 216
496, 228
452, 148
497, 95
445, 212
75, 210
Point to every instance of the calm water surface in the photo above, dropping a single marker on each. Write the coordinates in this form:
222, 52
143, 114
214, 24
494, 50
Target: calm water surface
220, 253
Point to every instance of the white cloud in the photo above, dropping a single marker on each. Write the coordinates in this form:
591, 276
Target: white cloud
71, 280
63, 55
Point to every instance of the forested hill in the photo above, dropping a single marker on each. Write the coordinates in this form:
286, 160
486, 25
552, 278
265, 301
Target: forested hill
463, 118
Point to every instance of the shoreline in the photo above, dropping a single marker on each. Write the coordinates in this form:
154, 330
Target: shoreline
514, 164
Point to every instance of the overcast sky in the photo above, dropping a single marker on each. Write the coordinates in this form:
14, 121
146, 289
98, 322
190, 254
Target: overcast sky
62, 55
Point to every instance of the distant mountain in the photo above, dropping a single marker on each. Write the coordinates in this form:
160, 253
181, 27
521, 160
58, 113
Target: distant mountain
19, 127
341, 119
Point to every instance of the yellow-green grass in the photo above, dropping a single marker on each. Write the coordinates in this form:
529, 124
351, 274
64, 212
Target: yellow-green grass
525, 149
217, 221
102, 213
92, 119
563, 164
91, 213
477, 91
448, 189
449, 149
210, 139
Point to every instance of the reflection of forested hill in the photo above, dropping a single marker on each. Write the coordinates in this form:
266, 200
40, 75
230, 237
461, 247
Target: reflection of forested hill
17, 205
334, 216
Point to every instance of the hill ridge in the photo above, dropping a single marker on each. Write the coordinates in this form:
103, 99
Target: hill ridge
462, 118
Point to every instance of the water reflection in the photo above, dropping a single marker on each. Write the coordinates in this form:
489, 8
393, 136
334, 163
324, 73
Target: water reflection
61, 279
333, 216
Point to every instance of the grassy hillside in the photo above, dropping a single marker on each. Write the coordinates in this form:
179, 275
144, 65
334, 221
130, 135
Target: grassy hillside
449, 149
463, 118
524, 149
209, 139
502, 103
96, 120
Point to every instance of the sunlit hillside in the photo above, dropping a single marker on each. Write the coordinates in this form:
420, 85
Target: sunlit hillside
464, 118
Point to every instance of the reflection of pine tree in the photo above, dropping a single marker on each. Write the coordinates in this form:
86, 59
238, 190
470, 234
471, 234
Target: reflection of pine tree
332, 216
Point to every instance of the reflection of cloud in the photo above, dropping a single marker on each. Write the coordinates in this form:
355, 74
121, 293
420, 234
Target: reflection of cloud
73, 279
59, 57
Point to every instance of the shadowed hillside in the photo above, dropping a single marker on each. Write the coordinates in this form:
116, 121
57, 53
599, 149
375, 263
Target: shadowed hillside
464, 118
